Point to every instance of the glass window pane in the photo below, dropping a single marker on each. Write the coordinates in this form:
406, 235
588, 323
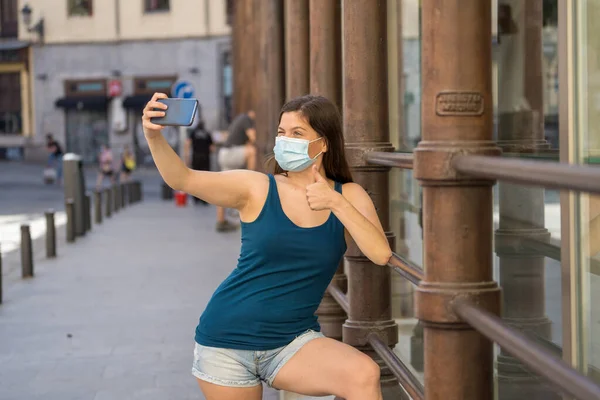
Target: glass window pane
586, 71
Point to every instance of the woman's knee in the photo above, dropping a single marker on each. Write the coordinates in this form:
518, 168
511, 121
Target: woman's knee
365, 374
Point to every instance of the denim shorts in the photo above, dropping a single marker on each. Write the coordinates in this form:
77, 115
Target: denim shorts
245, 368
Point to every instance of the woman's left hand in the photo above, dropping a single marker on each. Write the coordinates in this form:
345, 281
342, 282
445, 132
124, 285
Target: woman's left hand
320, 195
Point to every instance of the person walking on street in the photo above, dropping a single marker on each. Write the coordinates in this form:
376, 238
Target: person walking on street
105, 170
198, 147
260, 324
127, 165
55, 155
238, 152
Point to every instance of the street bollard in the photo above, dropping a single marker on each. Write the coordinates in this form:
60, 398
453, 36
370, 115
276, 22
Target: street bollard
108, 199
134, 195
0, 276
26, 252
50, 234
87, 212
70, 210
130, 198
123, 197
115, 194
140, 195
98, 206
167, 192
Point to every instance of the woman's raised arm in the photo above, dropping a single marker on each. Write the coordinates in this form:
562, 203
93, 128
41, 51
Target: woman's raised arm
229, 189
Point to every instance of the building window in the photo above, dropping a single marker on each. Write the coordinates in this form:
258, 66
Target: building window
8, 19
150, 85
156, 5
82, 8
229, 10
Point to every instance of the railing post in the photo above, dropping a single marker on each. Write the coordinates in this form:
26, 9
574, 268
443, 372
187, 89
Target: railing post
26, 252
98, 206
457, 115
50, 234
325, 80
108, 198
70, 211
366, 129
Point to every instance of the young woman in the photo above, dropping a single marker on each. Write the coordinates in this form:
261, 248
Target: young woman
260, 324
105, 167
127, 164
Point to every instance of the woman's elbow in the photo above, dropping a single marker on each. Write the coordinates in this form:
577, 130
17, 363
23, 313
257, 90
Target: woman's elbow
382, 257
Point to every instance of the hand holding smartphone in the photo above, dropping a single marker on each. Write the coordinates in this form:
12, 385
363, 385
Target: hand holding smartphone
180, 112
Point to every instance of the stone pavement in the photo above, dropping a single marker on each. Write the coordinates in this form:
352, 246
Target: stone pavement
113, 316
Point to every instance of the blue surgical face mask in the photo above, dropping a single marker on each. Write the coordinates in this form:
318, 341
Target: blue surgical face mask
292, 154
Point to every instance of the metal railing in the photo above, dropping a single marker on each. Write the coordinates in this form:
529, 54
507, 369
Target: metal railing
410, 383
534, 355
405, 268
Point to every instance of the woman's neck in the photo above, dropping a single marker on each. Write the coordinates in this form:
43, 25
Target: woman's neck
304, 178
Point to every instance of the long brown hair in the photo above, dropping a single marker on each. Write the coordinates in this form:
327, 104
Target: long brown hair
324, 117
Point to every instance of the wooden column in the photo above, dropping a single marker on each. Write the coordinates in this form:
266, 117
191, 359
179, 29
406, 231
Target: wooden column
326, 49
270, 74
366, 129
237, 50
457, 116
325, 80
296, 48
245, 50
522, 269
533, 21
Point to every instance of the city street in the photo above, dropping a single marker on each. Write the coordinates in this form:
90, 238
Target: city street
113, 316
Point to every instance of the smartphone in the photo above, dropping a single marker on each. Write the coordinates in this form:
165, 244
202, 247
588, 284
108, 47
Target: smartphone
180, 112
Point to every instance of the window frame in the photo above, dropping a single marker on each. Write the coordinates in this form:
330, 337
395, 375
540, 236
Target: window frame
71, 5
147, 10
137, 80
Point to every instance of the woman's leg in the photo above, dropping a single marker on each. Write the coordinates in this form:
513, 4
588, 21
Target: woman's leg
216, 392
325, 366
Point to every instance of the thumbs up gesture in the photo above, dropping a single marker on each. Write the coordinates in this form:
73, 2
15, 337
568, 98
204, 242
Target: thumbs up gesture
319, 194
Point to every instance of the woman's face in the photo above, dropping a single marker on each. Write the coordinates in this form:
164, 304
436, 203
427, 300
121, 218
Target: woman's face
294, 125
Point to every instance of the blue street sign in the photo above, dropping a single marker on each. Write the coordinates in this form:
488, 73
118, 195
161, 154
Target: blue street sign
183, 89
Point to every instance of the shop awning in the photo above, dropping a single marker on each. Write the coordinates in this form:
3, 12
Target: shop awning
12, 44
136, 102
83, 102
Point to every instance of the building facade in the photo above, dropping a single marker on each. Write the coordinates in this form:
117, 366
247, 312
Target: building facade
15, 56
97, 62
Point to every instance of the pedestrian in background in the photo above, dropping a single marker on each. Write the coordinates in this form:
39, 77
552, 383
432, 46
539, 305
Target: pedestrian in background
198, 147
260, 324
105, 167
238, 152
127, 164
55, 155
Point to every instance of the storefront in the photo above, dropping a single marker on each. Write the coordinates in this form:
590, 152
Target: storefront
143, 89
86, 117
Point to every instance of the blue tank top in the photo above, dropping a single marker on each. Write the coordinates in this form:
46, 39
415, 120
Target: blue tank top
282, 273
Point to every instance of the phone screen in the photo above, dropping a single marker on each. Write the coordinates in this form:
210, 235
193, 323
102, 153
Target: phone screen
180, 112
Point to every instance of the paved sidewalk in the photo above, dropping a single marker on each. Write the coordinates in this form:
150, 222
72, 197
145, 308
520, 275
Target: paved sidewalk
113, 316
